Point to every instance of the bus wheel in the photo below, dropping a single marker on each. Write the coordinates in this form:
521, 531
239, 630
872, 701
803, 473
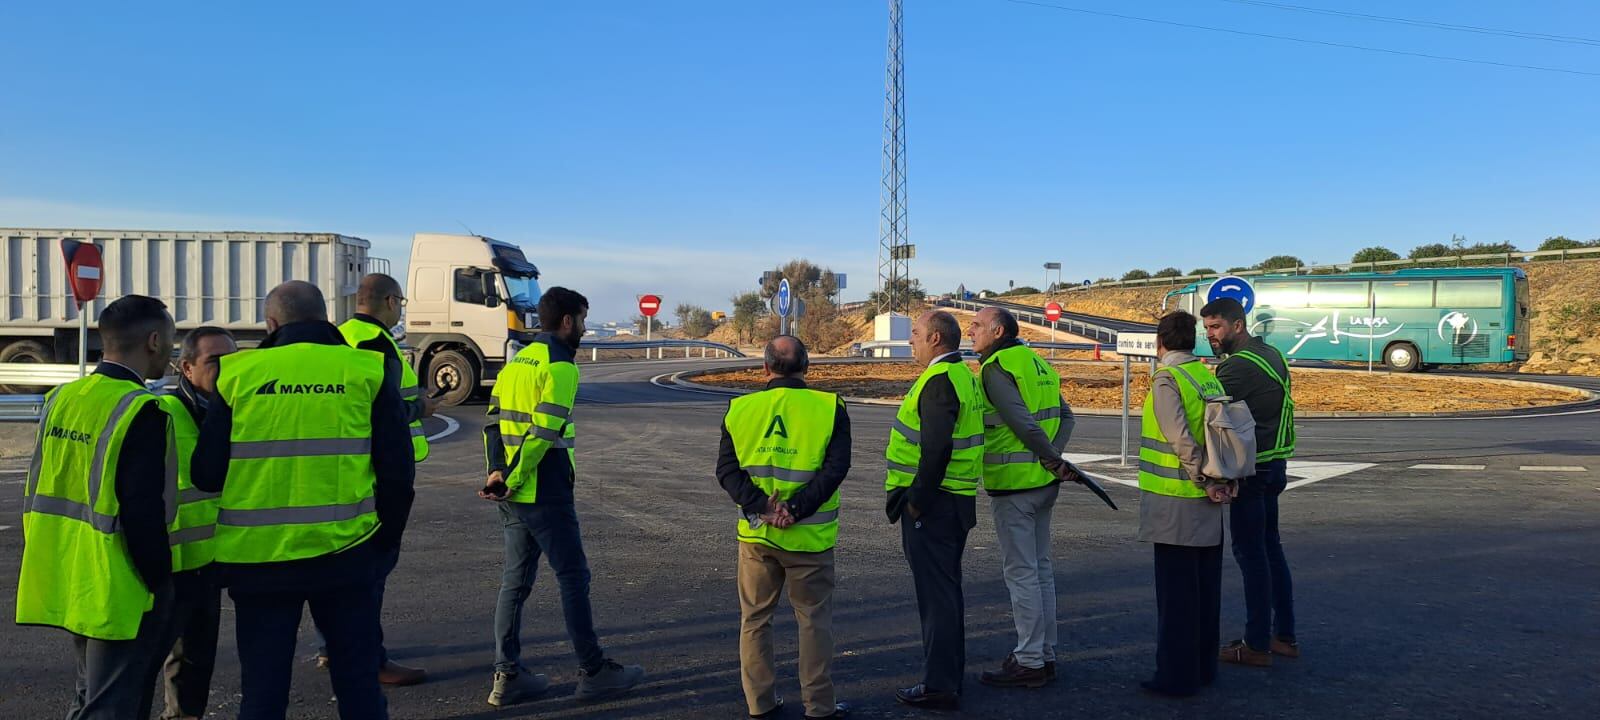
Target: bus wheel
1402, 357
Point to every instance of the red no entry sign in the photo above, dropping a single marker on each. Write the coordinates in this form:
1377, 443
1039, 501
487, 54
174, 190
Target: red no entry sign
649, 305
1052, 311
83, 269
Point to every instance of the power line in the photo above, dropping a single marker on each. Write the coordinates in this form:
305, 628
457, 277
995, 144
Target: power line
1306, 41
1572, 39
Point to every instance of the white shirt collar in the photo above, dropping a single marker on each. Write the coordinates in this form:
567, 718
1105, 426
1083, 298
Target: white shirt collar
941, 358
136, 373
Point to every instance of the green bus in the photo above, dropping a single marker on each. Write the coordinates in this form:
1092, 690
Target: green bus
1407, 319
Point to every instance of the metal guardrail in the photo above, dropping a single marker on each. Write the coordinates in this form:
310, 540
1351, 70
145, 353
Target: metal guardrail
37, 374
660, 347
863, 349
21, 408
1504, 258
1076, 327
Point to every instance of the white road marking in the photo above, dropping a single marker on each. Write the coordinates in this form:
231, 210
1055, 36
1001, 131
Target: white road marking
8, 527
1553, 468
1310, 472
1436, 466
450, 427
1086, 458
1117, 480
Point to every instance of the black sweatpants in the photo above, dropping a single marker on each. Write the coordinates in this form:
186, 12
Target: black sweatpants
933, 545
1188, 612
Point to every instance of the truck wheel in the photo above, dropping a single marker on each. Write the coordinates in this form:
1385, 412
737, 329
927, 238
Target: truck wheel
26, 351
1402, 357
449, 367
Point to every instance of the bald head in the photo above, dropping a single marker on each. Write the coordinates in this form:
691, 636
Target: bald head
375, 290
786, 357
992, 327
295, 301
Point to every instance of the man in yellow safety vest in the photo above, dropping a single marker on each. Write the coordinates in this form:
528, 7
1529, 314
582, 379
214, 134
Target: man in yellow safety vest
784, 453
97, 500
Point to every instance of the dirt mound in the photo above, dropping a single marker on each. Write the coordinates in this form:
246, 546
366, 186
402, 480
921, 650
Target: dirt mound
1099, 386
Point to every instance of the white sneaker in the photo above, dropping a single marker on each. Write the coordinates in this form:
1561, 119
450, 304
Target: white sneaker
511, 688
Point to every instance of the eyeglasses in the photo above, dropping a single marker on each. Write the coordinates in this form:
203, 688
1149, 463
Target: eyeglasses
401, 298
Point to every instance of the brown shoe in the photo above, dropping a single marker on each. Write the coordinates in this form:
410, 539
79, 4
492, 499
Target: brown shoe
1013, 675
1239, 653
1286, 648
393, 673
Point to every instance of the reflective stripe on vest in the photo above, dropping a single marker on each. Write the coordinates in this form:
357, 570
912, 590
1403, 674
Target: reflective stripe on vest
780, 436
529, 400
300, 478
355, 332
76, 572
1007, 462
905, 437
1283, 445
1160, 470
191, 531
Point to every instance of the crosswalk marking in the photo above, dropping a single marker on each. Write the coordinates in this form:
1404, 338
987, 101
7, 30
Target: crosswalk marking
1437, 466
1553, 468
1310, 471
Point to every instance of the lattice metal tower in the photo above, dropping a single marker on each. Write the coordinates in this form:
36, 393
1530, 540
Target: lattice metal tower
894, 252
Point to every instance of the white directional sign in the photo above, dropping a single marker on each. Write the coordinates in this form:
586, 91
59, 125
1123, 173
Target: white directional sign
1136, 344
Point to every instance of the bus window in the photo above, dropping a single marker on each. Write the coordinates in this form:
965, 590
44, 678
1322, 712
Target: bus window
1469, 294
1403, 293
1339, 294
1280, 294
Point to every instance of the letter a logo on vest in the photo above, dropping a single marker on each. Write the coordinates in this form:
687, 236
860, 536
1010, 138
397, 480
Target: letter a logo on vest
776, 427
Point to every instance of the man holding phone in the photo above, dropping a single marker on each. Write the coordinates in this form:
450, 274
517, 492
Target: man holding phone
529, 446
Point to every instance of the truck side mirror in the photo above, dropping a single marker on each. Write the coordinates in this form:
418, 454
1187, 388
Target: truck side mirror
491, 297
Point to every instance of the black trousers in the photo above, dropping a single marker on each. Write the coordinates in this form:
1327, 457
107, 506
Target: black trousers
192, 641
933, 545
268, 626
1188, 615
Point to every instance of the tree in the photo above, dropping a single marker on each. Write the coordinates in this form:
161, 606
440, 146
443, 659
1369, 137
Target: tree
695, 321
1203, 271
1023, 290
908, 293
1279, 262
1374, 254
1135, 275
1431, 250
1168, 272
806, 279
1237, 270
1560, 242
657, 324
748, 308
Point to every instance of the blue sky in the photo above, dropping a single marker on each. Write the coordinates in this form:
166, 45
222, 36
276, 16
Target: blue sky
681, 147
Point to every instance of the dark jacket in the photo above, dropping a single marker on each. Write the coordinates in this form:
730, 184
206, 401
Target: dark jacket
937, 407
555, 468
1245, 380
140, 484
803, 504
391, 462
384, 345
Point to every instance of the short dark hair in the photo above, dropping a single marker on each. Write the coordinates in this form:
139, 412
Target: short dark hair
191, 340
1176, 331
949, 330
1008, 324
376, 288
295, 301
557, 304
128, 320
786, 356
1226, 308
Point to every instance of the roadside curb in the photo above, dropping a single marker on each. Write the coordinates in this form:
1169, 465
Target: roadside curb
1591, 398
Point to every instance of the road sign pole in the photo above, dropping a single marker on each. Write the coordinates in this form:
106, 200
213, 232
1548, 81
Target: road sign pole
1052, 337
1127, 365
83, 338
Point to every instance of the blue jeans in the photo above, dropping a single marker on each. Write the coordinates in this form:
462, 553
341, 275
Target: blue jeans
1268, 590
551, 530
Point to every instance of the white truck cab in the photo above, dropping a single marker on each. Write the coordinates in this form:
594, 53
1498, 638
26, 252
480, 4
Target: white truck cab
471, 303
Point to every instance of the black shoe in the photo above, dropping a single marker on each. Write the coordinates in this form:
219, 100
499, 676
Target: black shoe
920, 696
776, 711
1151, 687
1050, 670
840, 710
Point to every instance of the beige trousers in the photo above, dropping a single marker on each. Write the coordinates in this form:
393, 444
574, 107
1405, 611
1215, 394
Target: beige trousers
763, 571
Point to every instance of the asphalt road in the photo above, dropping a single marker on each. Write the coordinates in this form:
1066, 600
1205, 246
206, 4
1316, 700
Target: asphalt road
1421, 593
